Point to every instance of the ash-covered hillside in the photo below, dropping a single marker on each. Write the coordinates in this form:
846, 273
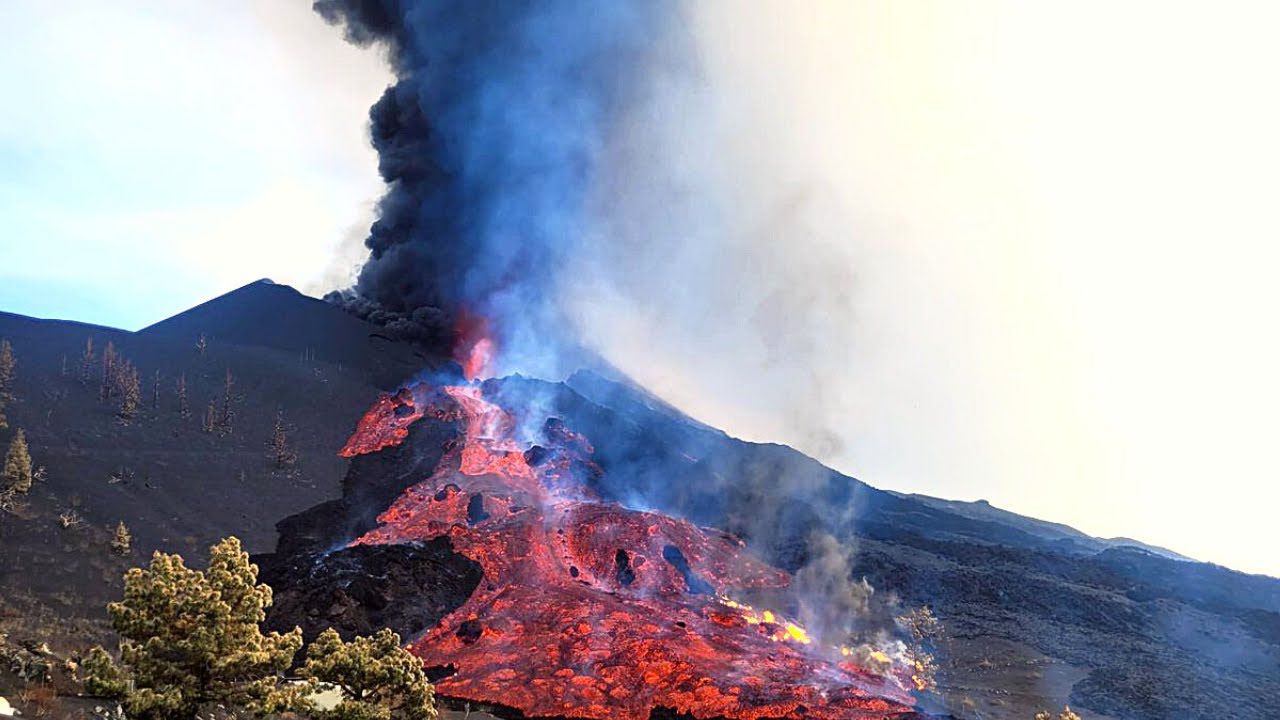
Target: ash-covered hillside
261, 353
1037, 614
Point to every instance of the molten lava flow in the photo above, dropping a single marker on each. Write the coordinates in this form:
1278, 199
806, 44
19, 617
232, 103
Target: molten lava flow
386, 424
588, 609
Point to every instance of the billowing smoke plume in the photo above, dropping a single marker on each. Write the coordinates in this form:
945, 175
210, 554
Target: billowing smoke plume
488, 142
581, 175
833, 606
615, 176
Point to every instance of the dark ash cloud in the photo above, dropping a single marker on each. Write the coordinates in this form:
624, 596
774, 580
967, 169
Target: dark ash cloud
488, 141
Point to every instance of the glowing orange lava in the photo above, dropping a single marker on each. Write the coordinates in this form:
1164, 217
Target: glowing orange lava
588, 609
475, 347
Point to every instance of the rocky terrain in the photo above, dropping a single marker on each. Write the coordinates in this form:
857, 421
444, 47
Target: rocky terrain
1037, 614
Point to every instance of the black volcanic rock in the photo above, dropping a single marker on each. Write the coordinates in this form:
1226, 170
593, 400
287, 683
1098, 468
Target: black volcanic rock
372, 483
319, 582
358, 590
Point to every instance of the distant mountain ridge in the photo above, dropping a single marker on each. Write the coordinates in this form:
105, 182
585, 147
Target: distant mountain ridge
1050, 531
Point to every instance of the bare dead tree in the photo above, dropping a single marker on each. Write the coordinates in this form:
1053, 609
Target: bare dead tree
279, 451
127, 387
86, 361
184, 409
227, 415
210, 417
106, 387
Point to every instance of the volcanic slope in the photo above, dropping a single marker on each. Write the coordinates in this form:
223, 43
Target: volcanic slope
1037, 616
174, 485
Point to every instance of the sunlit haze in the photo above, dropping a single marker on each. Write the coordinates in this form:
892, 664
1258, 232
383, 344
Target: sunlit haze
1037, 239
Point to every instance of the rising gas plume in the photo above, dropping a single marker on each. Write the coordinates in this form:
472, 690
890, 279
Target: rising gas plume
489, 142
562, 177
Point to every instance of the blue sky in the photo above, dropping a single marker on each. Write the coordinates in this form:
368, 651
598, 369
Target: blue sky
155, 154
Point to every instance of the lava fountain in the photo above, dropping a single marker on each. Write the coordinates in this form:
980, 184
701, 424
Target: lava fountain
475, 346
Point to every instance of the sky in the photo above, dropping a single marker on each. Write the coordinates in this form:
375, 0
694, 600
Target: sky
154, 155
1021, 252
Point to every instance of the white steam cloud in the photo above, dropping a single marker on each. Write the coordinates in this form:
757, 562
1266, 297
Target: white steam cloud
989, 249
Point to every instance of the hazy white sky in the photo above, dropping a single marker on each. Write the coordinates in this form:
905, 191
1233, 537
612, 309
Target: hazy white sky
1005, 250
1052, 227
153, 155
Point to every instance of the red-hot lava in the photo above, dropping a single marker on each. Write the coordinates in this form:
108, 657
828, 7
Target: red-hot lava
588, 609
475, 347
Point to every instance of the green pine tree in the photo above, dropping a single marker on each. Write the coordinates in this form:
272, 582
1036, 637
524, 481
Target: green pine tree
7, 371
378, 679
102, 677
192, 637
17, 465
7, 365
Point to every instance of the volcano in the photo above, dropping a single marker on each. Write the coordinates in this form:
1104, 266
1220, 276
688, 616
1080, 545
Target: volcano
587, 608
1038, 614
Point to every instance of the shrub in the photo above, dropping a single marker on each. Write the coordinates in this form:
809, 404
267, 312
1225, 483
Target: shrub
926, 631
193, 637
102, 677
378, 679
41, 700
122, 540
